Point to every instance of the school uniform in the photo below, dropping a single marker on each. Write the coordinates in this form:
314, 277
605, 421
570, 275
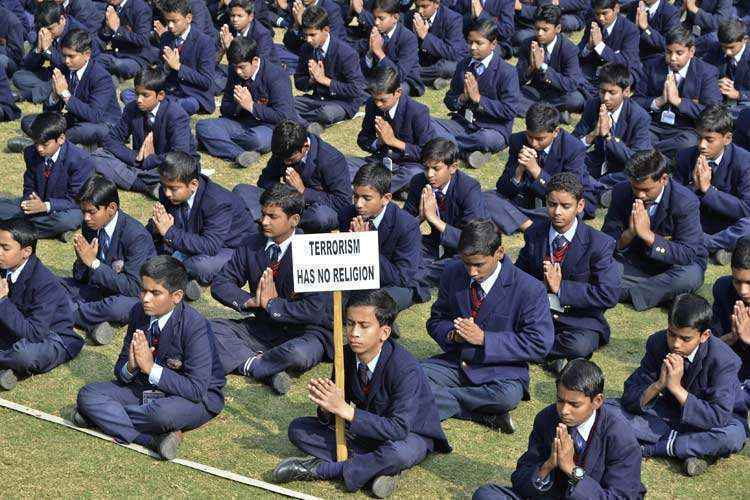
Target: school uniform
411, 124
339, 101
725, 207
109, 292
741, 132
207, 228
573, 12
401, 264
186, 370
736, 69
704, 426
170, 126
395, 422
239, 130
675, 263
202, 20
11, 52
458, 203
619, 45
36, 322
606, 158
590, 284
609, 453
263, 37
705, 22
401, 53
443, 47
85, 12
558, 82
130, 46
56, 180
484, 126
294, 332
23, 11
294, 37
501, 12
663, 17
9, 111
673, 128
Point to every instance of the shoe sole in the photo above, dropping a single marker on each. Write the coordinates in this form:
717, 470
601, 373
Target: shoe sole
281, 383
8, 380
169, 446
193, 291
478, 160
384, 486
103, 334
695, 467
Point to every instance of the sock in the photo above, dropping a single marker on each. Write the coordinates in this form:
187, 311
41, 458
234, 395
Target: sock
330, 470
144, 440
247, 368
662, 448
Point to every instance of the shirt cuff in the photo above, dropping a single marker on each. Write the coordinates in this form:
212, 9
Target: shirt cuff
368, 61
543, 67
554, 302
585, 142
599, 47
654, 107
125, 374
543, 484
48, 205
154, 375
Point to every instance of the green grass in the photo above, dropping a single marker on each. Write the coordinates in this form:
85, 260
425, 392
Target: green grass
249, 436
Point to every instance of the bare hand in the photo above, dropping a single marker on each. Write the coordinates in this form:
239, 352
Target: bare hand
33, 205
85, 251
376, 44
163, 221
595, 36
359, 225
112, 19
159, 28
552, 276
469, 331
292, 177
172, 58
243, 97
471, 87
59, 83
143, 354
420, 26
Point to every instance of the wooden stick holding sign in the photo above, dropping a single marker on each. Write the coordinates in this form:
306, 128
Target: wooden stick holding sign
334, 262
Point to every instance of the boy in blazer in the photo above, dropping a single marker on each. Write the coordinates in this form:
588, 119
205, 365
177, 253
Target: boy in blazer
654, 19
36, 321
499, 12
127, 32
11, 52
288, 331
732, 58
167, 378
482, 373
571, 19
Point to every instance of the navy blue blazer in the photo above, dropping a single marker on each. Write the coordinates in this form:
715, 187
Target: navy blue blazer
711, 379
347, 82
20, 10
500, 101
710, 14
739, 74
629, 135
36, 305
187, 337
525, 17
612, 460
411, 124
499, 11
401, 54
171, 131
741, 136
263, 37
131, 244
566, 154
290, 314
323, 172
621, 46
202, 20
563, 73
728, 199
197, 67
445, 39
698, 89
725, 297
11, 37
515, 318
590, 276
132, 38
464, 203
34, 61
665, 19
401, 263
676, 223
218, 219
272, 97
93, 100
87, 13
7, 102
71, 170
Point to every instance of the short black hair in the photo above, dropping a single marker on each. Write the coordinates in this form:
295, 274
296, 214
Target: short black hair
479, 237
375, 175
549, 14
285, 197
153, 79
486, 28
542, 117
385, 307
99, 191
242, 50
582, 375
567, 182
690, 310
47, 126
731, 31
646, 164
680, 36
288, 138
181, 7
247, 5
78, 40
179, 166
616, 74
715, 118
166, 271
22, 231
603, 4
440, 150
389, 6
315, 17
47, 14
741, 254
383, 80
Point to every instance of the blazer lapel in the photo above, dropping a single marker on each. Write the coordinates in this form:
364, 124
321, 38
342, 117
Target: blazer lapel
115, 240
168, 334
695, 367
376, 381
661, 209
497, 293
386, 225
577, 250
19, 287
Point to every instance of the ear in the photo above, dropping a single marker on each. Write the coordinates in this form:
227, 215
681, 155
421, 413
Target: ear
728, 138
453, 167
177, 296
705, 335
385, 332
581, 205
194, 184
26, 252
189, 18
294, 220
627, 92
558, 29
112, 207
387, 197
598, 401
499, 253
161, 95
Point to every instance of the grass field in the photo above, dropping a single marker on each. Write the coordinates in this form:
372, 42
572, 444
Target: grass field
249, 437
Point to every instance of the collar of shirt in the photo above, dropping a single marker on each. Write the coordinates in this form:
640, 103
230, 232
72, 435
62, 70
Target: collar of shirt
246, 31
122, 4
569, 234
550, 46
161, 320
109, 228
185, 34
653, 8
190, 201
431, 20
326, 44
491, 279
371, 365
585, 428
616, 114
378, 218
283, 245
392, 111
683, 72
608, 29
690, 357
393, 30
17, 272
55, 156
152, 113
65, 4
256, 70
718, 159
486, 61
444, 189
738, 57
81, 71
656, 202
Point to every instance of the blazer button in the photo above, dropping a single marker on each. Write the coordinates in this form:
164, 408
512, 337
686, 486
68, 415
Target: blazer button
463, 364
555, 316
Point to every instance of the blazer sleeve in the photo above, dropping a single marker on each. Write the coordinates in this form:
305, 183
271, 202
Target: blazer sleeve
227, 285
505, 184
202, 76
709, 21
138, 35
687, 237
178, 139
337, 191
508, 104
728, 204
280, 103
473, 208
422, 132
440, 322
78, 174
645, 375
714, 408
122, 359
456, 89
602, 290
568, 78
527, 467
118, 136
401, 270
213, 234
709, 95
92, 110
366, 137
640, 141
452, 48
191, 382
351, 83
138, 250
34, 326
304, 309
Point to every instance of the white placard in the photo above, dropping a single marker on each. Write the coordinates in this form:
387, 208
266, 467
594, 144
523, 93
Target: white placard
335, 261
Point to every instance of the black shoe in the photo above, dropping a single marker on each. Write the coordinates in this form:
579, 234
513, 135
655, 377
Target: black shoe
18, 144
193, 291
247, 159
102, 334
496, 421
721, 257
695, 466
384, 486
169, 444
605, 200
296, 469
77, 419
8, 380
16, 96
281, 383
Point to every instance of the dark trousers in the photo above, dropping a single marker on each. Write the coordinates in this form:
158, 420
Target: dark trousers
457, 397
433, 268
727, 238
572, 343
646, 290
227, 139
570, 101
669, 140
203, 267
402, 172
238, 340
93, 307
34, 86
323, 111
47, 226
503, 212
486, 140
497, 492
118, 411
79, 133
26, 358
441, 69
110, 167
368, 458
123, 67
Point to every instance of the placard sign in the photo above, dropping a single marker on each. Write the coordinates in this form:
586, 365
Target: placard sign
335, 261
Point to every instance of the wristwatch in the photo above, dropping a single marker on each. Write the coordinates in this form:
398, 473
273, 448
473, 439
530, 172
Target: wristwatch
577, 474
